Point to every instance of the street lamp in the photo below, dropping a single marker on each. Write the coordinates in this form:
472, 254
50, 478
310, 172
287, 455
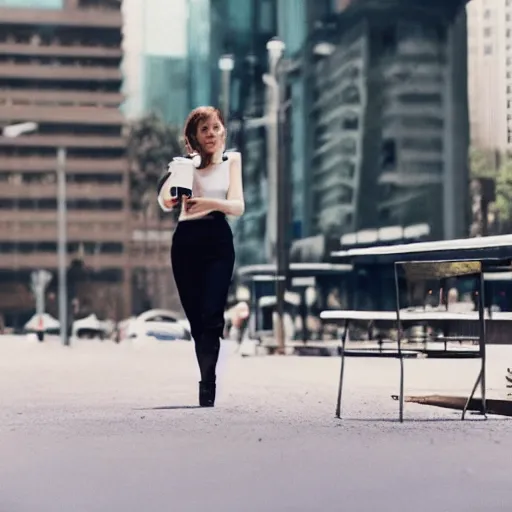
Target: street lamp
16, 130
277, 218
226, 65
275, 49
324, 49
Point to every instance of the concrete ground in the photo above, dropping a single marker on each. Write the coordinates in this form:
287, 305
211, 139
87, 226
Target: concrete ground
100, 427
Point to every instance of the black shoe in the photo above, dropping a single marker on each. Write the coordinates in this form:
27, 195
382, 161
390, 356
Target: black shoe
207, 394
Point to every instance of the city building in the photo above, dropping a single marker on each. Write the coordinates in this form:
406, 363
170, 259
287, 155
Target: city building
165, 92
154, 63
60, 68
199, 84
490, 73
387, 121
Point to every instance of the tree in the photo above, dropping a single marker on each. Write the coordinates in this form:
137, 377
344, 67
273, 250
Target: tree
504, 196
483, 163
152, 144
492, 166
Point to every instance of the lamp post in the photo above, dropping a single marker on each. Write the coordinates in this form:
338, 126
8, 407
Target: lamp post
278, 206
16, 130
275, 49
62, 244
276, 217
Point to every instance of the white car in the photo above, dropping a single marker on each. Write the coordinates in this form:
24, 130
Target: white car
160, 324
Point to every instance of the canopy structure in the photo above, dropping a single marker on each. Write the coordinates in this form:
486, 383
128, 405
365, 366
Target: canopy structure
488, 248
42, 322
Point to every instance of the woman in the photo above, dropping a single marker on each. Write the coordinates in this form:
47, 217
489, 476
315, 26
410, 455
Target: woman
202, 252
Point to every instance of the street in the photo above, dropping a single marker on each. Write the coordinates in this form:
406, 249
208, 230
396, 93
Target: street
100, 427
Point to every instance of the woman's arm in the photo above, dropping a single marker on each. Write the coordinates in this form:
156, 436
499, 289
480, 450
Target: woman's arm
234, 203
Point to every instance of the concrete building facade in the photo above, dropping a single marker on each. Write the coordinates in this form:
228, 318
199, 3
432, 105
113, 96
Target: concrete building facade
490, 73
60, 68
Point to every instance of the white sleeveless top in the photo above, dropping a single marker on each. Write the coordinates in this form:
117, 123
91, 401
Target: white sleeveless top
212, 183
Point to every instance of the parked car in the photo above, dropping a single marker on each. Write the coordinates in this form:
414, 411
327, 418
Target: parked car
160, 324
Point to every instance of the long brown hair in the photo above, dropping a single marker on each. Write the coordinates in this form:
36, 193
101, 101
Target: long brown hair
195, 117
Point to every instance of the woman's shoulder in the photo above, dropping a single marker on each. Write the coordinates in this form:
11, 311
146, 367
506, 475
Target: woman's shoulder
234, 156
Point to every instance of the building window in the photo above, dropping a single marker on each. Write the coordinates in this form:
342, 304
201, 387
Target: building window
487, 31
388, 40
487, 14
388, 154
266, 16
350, 95
350, 121
420, 98
487, 49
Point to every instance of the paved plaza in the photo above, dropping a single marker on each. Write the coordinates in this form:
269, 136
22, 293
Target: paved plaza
100, 427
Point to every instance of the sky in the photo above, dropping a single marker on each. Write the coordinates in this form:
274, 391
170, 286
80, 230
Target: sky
165, 21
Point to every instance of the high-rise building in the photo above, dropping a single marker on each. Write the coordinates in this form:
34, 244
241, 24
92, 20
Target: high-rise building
165, 92
490, 73
388, 121
154, 44
199, 52
60, 67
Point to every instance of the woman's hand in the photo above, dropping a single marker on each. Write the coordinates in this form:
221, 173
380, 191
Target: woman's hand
170, 203
200, 205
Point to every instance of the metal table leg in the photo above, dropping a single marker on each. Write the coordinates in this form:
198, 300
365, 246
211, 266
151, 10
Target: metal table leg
342, 369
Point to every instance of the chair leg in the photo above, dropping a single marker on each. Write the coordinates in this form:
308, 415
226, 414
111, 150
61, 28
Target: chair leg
471, 395
342, 369
401, 405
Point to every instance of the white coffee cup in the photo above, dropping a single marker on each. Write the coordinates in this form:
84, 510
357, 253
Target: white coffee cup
177, 182
181, 177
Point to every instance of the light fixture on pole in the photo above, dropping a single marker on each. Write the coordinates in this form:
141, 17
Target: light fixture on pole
324, 49
15, 130
226, 66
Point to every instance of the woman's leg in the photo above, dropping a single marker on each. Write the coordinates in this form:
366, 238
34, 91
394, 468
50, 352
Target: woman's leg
188, 275
217, 278
203, 258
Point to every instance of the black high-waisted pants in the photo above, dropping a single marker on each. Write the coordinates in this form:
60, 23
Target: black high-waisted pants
202, 257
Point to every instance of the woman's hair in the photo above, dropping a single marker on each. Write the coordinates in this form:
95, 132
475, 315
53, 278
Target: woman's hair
195, 117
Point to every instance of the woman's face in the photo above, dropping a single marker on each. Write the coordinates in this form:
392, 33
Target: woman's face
211, 134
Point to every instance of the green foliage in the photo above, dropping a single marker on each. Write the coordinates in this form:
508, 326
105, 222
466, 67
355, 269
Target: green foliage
482, 163
489, 164
504, 193
151, 145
